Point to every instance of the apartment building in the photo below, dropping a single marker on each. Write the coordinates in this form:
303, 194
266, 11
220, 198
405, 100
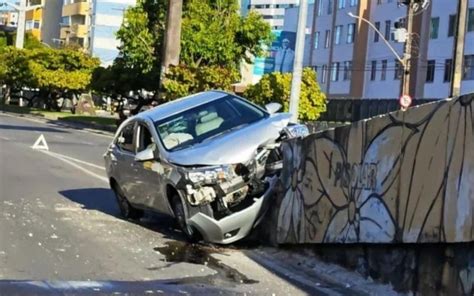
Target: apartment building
9, 18
43, 22
352, 60
92, 24
273, 11
107, 19
76, 22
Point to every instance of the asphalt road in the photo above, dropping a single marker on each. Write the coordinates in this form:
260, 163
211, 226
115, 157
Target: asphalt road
60, 231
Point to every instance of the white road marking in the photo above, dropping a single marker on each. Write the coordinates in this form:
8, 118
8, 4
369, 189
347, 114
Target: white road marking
4, 138
58, 137
78, 161
76, 166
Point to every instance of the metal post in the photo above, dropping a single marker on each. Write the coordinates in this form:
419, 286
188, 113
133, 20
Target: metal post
298, 62
458, 53
20, 31
408, 51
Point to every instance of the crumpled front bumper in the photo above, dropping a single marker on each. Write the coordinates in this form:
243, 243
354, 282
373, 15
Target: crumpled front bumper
236, 226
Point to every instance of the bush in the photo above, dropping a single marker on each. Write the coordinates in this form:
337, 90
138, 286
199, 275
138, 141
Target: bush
183, 80
276, 86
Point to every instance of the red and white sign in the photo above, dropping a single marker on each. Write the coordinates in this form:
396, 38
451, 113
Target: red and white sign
405, 101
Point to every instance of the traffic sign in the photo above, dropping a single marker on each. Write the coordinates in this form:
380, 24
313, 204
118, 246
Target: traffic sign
405, 102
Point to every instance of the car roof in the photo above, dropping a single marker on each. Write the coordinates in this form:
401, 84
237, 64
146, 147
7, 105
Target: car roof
182, 104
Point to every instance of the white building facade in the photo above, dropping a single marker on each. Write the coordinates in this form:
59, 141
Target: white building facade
353, 61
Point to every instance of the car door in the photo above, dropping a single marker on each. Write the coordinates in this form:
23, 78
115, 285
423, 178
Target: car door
125, 167
151, 172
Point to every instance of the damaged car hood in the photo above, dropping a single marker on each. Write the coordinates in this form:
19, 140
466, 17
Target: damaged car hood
234, 147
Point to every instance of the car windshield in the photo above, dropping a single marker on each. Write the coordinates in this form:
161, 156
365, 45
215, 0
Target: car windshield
206, 121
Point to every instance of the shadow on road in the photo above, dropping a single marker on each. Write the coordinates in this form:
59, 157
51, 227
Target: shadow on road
188, 286
100, 199
103, 200
31, 128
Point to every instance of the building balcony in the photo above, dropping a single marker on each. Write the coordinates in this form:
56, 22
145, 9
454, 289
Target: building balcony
78, 8
75, 30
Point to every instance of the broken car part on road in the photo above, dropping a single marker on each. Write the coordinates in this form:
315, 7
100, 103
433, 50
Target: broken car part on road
210, 160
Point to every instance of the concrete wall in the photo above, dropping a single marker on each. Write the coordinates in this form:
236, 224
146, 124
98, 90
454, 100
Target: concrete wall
405, 177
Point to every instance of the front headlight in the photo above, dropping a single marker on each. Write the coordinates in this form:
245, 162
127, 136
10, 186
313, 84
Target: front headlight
210, 175
297, 130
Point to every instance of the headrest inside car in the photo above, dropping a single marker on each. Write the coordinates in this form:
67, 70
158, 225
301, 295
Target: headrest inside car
209, 117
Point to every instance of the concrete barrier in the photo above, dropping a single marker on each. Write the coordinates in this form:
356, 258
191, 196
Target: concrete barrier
404, 177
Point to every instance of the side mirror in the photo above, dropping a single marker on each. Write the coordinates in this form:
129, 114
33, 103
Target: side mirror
273, 108
145, 155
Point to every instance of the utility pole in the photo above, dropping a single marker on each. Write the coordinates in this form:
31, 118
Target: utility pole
298, 62
408, 52
172, 42
458, 53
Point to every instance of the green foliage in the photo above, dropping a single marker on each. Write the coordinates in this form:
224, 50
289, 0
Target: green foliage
14, 71
137, 41
213, 33
60, 69
183, 80
214, 41
118, 79
276, 87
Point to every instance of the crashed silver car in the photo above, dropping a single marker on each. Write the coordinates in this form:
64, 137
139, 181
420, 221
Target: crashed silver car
210, 160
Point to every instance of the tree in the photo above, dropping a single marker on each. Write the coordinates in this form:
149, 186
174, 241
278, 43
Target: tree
58, 71
14, 72
214, 41
276, 87
214, 33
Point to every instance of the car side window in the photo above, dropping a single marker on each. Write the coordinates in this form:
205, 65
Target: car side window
125, 139
145, 139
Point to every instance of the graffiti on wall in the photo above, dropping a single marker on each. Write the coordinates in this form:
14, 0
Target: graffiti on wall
402, 177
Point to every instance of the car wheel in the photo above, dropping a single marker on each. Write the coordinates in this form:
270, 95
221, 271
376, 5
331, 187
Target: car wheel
180, 215
126, 209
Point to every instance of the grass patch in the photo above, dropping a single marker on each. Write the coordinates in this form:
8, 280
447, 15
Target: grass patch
52, 115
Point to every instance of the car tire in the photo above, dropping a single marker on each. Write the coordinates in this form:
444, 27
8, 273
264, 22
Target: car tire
180, 214
127, 211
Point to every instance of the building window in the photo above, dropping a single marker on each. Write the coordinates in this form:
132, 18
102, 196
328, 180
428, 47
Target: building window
468, 67
388, 29
330, 4
434, 27
470, 20
379, 2
347, 70
316, 40
448, 68
338, 35
452, 25
376, 34
341, 4
350, 33
398, 70
373, 70
335, 71
327, 39
324, 74
29, 25
354, 2
320, 7
383, 76
430, 71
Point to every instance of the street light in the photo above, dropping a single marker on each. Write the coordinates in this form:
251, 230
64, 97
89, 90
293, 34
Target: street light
20, 31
